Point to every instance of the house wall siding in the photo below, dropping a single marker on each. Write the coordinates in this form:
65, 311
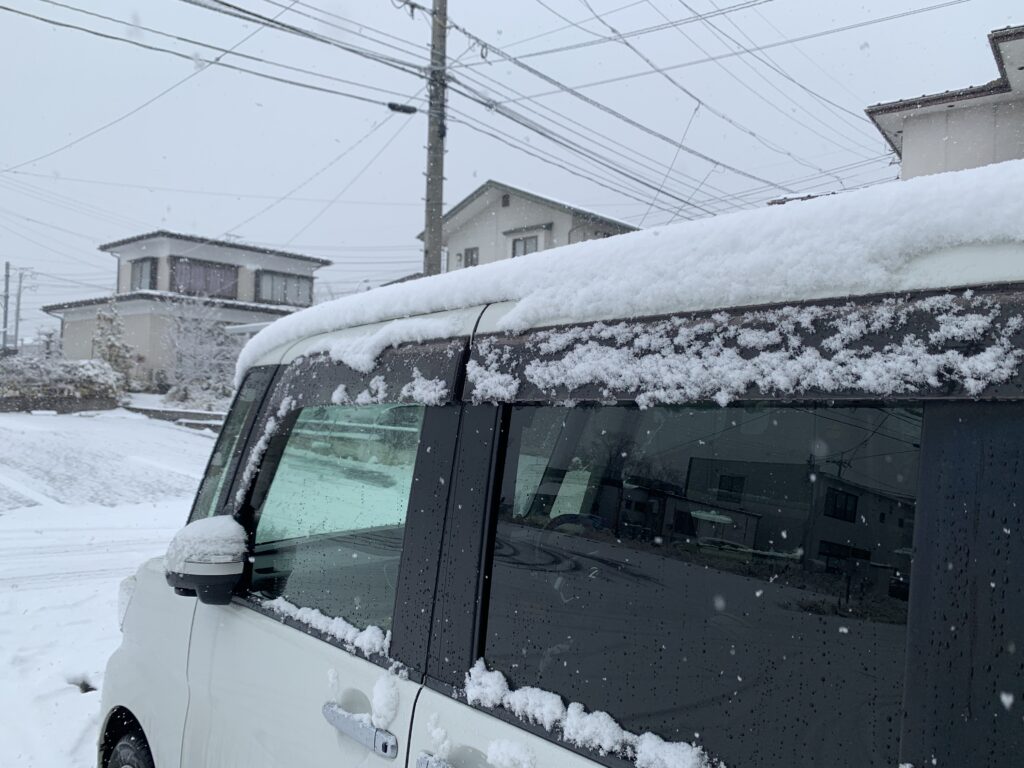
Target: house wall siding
486, 230
957, 139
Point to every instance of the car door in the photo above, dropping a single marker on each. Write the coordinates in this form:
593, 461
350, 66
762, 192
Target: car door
318, 660
671, 585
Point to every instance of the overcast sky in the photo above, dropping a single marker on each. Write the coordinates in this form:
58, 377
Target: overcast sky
217, 152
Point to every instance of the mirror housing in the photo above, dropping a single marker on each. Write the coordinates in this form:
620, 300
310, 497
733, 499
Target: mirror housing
206, 559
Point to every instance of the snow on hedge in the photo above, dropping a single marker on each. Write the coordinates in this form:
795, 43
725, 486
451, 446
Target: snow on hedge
887, 347
850, 244
574, 725
40, 378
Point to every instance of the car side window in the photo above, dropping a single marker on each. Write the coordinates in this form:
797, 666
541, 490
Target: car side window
737, 573
227, 450
331, 518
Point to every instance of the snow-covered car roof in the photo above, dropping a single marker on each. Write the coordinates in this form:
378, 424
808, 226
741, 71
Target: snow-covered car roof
947, 230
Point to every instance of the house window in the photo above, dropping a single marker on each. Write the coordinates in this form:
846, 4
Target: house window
840, 505
505, 200
730, 488
204, 278
279, 288
143, 275
471, 257
524, 245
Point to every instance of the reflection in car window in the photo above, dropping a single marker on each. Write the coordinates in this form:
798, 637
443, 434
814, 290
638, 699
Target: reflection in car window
331, 524
737, 573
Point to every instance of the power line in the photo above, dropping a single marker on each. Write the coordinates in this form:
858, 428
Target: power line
766, 46
853, 143
629, 153
604, 108
686, 130
207, 192
620, 36
216, 62
235, 11
570, 25
716, 112
121, 118
313, 219
769, 62
231, 51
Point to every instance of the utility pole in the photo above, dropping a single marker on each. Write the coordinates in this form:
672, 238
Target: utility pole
432, 239
17, 307
7, 303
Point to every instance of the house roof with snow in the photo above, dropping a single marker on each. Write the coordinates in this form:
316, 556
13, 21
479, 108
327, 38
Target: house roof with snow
1007, 48
484, 195
168, 297
163, 234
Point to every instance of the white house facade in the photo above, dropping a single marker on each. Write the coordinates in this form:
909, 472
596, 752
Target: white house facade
965, 128
498, 221
164, 275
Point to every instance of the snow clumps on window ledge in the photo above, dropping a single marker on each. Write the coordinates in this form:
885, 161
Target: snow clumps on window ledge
217, 539
892, 346
369, 642
857, 243
597, 731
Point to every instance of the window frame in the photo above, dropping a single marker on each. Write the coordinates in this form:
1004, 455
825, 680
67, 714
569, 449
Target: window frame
525, 239
461, 607
268, 373
311, 381
152, 263
258, 293
176, 262
474, 252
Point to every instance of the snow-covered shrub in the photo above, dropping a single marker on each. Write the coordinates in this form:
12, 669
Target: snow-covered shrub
109, 345
40, 381
204, 357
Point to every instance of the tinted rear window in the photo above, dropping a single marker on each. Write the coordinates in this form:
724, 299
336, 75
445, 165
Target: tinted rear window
732, 577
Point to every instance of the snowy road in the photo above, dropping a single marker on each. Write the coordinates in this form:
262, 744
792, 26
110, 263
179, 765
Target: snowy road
83, 500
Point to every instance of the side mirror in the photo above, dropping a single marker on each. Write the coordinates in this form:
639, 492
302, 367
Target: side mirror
206, 559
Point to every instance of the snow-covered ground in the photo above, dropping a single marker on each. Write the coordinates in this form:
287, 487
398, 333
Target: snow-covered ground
83, 500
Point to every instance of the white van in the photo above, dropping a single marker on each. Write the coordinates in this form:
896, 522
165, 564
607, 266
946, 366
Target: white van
741, 492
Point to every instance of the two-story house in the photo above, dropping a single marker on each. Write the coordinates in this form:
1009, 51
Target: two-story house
965, 128
498, 221
161, 275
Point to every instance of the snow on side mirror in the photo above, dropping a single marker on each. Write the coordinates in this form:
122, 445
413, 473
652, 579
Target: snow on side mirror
206, 558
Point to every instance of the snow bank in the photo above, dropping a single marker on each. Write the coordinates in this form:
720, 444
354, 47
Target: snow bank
212, 539
590, 730
849, 244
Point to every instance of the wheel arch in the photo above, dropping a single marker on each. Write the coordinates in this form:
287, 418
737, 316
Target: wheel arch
119, 722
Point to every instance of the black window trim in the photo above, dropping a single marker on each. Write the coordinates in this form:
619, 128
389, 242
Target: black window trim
451, 656
243, 438
427, 502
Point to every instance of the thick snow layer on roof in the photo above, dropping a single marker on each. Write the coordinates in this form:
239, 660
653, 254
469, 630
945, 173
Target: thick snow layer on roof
859, 242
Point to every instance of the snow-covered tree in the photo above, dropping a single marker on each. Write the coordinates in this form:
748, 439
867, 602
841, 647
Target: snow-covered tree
204, 355
108, 342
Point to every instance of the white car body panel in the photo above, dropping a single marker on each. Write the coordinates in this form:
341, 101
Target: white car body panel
258, 687
471, 732
147, 673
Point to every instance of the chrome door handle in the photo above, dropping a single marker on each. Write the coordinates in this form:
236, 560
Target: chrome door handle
426, 760
359, 728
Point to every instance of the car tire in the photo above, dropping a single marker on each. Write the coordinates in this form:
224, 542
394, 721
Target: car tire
130, 751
